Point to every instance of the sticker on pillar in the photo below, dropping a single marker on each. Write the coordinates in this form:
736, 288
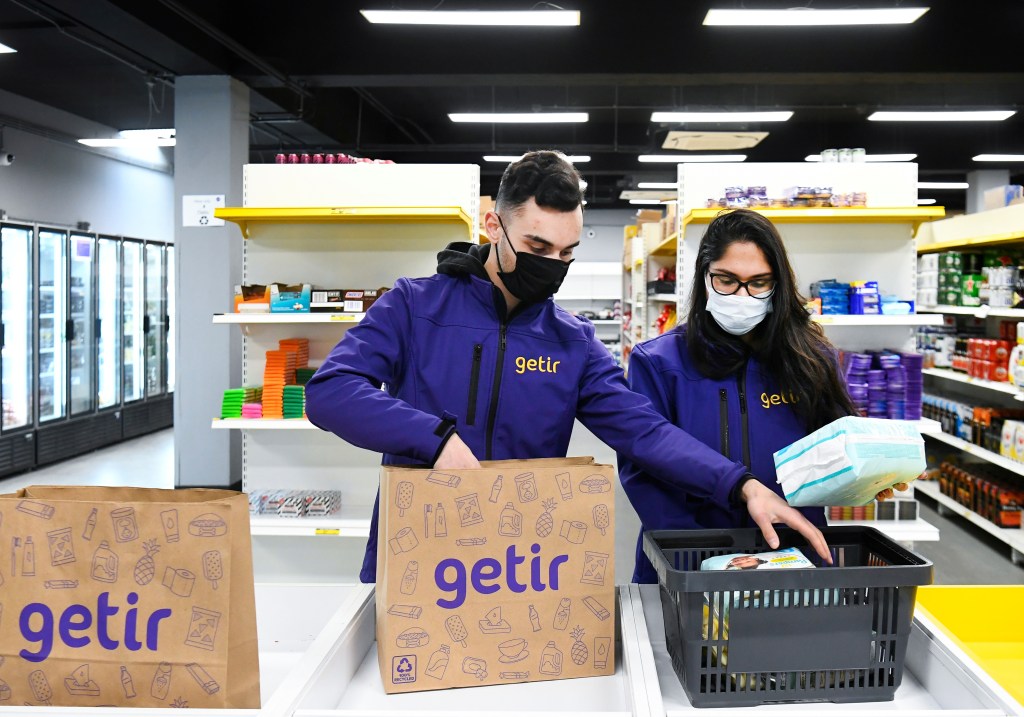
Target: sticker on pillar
197, 210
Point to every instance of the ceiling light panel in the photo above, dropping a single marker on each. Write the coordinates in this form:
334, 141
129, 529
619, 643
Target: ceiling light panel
693, 158
998, 158
519, 117
721, 117
811, 17
507, 158
657, 185
475, 18
943, 185
942, 116
872, 158
6, 49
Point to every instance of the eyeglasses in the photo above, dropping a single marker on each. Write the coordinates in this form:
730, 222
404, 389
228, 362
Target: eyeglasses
726, 285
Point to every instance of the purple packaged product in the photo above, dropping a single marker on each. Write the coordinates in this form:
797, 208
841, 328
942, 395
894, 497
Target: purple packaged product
758, 192
735, 193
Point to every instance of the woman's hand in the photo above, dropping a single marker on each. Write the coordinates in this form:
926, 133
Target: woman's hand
765, 508
456, 455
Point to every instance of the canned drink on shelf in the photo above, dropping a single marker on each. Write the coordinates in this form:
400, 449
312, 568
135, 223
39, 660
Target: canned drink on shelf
280, 158
293, 158
329, 158
845, 155
858, 154
829, 155
304, 158
318, 158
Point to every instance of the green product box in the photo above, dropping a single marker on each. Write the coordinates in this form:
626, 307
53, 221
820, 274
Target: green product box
949, 297
949, 279
951, 260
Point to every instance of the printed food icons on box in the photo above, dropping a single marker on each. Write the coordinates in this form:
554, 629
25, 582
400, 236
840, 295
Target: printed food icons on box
498, 575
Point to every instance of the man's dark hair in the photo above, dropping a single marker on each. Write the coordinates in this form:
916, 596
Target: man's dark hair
547, 176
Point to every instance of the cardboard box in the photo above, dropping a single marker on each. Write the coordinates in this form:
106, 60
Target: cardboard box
644, 216
253, 299
1003, 196
494, 576
343, 300
289, 299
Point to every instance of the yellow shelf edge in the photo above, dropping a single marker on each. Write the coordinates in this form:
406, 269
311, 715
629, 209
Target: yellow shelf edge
667, 247
989, 240
244, 216
853, 215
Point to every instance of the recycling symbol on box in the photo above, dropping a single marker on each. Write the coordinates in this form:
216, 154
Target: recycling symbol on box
403, 669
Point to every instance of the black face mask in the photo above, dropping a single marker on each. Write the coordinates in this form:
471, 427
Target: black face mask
535, 278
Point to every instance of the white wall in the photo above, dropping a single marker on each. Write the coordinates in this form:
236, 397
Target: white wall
53, 182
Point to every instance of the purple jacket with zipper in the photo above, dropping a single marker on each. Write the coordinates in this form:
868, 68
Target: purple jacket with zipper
511, 385
745, 417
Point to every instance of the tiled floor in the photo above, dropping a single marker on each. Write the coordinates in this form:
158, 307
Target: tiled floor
964, 555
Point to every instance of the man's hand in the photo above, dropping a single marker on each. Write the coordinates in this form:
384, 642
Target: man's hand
765, 507
456, 455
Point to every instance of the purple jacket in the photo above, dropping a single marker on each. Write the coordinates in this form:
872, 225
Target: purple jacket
511, 385
745, 417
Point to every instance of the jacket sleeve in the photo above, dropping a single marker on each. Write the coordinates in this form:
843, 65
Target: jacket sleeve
649, 447
345, 395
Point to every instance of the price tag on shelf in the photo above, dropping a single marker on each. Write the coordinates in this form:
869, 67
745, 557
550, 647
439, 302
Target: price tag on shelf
347, 318
328, 531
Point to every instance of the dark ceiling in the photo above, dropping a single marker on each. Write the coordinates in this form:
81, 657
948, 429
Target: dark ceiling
324, 79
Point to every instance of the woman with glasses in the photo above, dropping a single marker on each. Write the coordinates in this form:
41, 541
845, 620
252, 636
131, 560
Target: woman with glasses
747, 374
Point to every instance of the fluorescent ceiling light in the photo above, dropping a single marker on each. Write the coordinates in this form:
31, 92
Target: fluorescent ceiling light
872, 158
943, 116
657, 185
649, 194
926, 201
805, 16
685, 159
506, 158
720, 116
6, 48
519, 117
487, 18
134, 138
943, 185
998, 158
645, 201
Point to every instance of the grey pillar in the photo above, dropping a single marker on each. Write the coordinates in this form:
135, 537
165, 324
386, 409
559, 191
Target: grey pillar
980, 181
211, 117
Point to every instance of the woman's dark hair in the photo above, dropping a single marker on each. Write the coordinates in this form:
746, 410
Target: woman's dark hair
792, 348
547, 176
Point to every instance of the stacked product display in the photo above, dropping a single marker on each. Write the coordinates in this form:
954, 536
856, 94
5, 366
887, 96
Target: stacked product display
956, 278
757, 197
277, 298
856, 297
325, 158
283, 393
984, 491
962, 349
885, 384
999, 430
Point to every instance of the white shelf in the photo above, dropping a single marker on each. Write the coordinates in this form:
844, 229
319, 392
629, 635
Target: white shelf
997, 386
605, 322
1014, 537
306, 318
662, 297
904, 531
264, 424
980, 312
978, 452
353, 521
928, 426
877, 320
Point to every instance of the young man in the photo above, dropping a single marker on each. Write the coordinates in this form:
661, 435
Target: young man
479, 362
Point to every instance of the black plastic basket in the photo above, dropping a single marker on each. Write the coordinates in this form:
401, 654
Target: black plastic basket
748, 637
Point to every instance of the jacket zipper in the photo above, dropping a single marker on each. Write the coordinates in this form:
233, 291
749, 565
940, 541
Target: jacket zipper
474, 383
744, 426
492, 414
723, 420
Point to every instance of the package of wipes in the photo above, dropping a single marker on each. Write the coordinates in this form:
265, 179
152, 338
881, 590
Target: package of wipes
847, 462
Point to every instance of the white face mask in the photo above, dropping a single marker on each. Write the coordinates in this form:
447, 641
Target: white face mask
737, 314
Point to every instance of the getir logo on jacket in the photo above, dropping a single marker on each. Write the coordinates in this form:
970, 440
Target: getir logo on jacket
541, 364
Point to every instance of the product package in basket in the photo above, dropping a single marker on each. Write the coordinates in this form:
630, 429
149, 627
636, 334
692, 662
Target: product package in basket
849, 461
127, 597
494, 576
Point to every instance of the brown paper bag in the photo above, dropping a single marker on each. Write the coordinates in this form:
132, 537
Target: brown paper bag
121, 597
494, 576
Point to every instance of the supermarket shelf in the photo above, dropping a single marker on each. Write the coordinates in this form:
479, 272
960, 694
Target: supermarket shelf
980, 312
244, 217
352, 521
904, 531
307, 318
988, 228
667, 247
978, 452
928, 426
1013, 537
662, 297
998, 386
838, 215
265, 424
877, 320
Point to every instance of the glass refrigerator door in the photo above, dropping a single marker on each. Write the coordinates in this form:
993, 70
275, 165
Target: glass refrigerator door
82, 327
134, 312
170, 319
108, 289
53, 317
16, 337
156, 348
